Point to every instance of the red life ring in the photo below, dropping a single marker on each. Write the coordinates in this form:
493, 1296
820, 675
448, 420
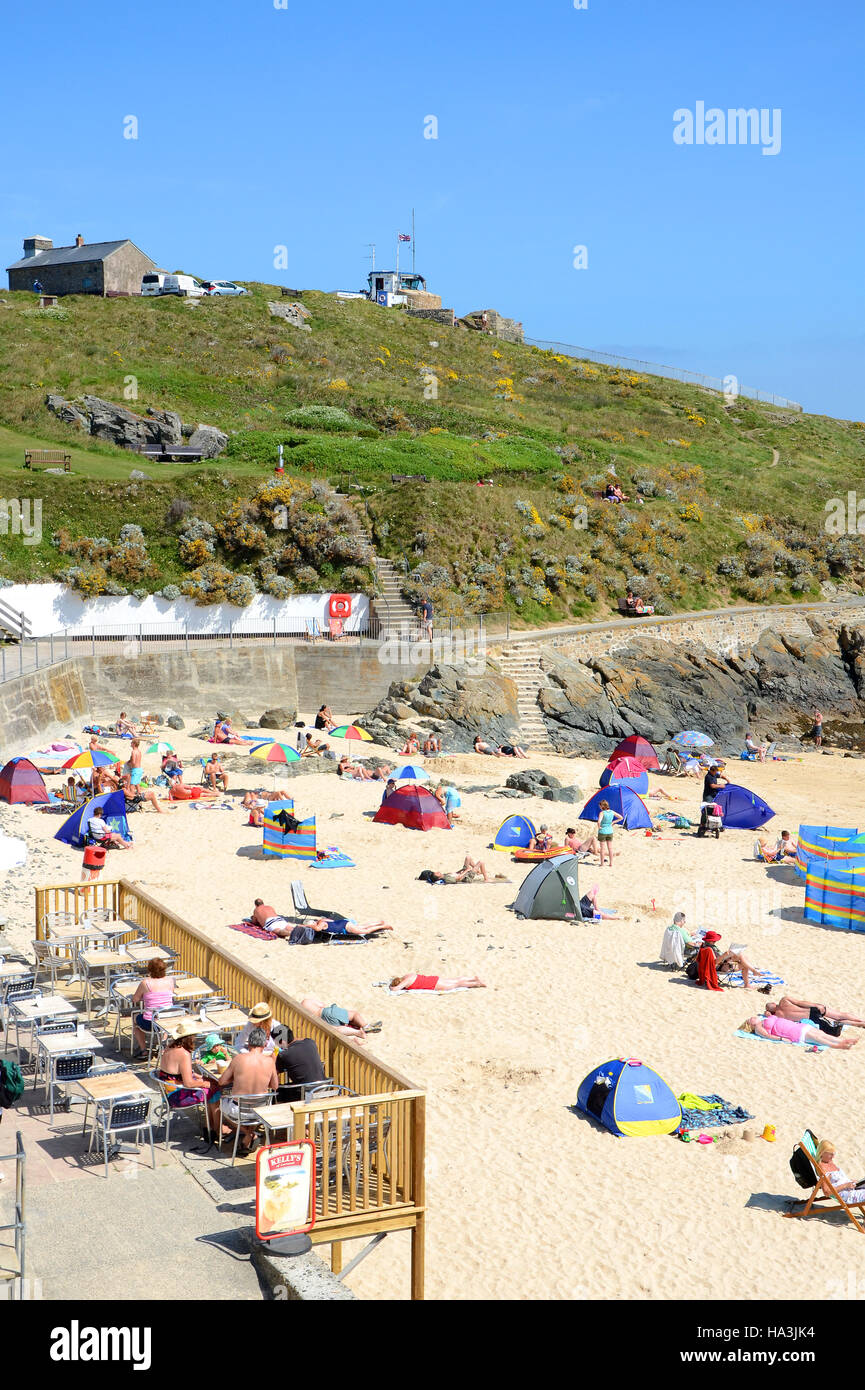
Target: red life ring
94, 857
340, 606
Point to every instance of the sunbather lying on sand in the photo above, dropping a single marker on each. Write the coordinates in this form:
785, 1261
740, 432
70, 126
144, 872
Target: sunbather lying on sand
346, 768
346, 1021
471, 870
782, 1030
265, 915
827, 1020
401, 984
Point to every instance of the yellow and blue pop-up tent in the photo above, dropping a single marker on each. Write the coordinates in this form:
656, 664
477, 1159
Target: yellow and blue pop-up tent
629, 1098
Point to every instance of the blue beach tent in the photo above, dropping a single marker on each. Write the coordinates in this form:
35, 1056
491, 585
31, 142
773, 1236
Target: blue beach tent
742, 809
517, 832
628, 803
629, 1098
111, 806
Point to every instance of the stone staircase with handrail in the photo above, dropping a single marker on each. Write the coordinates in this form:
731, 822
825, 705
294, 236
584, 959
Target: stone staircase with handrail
521, 663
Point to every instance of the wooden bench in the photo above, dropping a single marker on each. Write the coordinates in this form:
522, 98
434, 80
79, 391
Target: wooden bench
180, 453
628, 612
41, 458
290, 294
409, 478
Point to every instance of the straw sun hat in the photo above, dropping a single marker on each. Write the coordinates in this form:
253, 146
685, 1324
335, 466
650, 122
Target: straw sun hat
186, 1029
261, 1010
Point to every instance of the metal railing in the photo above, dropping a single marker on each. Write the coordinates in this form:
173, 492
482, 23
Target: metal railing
710, 383
14, 622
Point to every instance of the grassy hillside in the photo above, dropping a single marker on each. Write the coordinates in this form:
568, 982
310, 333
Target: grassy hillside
732, 497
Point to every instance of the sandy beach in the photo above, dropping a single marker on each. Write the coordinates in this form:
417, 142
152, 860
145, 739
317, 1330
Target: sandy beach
525, 1198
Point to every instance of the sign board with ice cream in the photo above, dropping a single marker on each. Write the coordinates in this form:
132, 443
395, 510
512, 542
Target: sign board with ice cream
284, 1180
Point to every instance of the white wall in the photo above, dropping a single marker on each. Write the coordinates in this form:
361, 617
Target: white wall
53, 607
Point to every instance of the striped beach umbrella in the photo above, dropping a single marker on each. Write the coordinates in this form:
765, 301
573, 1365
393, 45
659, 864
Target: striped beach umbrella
351, 731
275, 753
410, 773
91, 759
692, 738
161, 747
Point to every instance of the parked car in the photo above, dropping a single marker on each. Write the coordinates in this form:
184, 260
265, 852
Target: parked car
224, 287
184, 285
152, 283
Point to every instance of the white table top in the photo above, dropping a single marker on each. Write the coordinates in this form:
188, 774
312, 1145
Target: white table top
13, 969
49, 1006
82, 1041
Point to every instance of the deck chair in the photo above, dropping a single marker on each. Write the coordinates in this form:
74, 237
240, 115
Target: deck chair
313, 631
336, 628
807, 1146
302, 907
673, 763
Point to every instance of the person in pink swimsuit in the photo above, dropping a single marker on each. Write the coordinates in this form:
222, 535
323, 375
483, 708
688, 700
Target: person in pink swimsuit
785, 1030
156, 991
400, 984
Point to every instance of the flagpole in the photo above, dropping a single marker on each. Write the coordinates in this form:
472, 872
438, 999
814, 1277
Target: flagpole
397, 262
412, 241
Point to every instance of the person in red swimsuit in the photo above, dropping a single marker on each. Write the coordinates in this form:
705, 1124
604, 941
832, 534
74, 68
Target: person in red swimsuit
400, 984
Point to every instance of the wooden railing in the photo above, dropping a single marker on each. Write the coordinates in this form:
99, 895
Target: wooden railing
370, 1145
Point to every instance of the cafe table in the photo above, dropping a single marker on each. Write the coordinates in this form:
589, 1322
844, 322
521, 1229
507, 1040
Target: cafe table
102, 1090
191, 987
92, 961
53, 1045
15, 969
142, 952
33, 1012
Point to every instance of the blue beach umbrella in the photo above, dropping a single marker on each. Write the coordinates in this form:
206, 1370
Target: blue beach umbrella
410, 773
692, 738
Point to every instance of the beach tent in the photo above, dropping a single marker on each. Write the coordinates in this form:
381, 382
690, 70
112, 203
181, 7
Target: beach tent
281, 843
111, 806
835, 892
823, 842
413, 806
637, 747
21, 782
627, 772
551, 890
743, 810
517, 832
629, 805
629, 1098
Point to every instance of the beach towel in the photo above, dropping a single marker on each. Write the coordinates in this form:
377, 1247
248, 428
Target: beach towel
253, 929
762, 977
334, 859
672, 948
814, 1047
711, 1112
707, 975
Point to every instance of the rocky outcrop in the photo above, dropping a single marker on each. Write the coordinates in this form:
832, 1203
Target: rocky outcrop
293, 313
117, 425
653, 688
281, 718
452, 704
532, 781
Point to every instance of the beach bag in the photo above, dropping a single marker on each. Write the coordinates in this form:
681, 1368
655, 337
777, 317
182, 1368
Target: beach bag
682, 823
691, 969
11, 1085
302, 936
800, 1165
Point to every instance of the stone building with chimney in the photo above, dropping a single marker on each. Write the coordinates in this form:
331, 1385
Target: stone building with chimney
100, 267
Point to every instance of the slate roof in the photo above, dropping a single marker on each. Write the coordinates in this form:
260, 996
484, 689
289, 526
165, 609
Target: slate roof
66, 255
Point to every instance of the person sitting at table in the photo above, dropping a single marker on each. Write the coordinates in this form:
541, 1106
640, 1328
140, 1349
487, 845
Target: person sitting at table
260, 1016
182, 1085
250, 1073
156, 991
299, 1062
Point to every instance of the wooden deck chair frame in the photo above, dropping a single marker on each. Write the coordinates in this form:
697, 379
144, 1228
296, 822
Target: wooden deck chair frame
313, 630
673, 762
819, 1199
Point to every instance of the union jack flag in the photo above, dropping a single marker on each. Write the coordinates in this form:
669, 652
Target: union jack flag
403, 237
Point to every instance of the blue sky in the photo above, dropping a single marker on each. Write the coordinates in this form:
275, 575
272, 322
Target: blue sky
303, 127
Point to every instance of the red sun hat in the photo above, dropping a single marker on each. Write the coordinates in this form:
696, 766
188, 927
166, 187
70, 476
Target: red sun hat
712, 936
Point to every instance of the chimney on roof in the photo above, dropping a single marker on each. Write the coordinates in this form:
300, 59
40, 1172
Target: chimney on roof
79, 240
34, 244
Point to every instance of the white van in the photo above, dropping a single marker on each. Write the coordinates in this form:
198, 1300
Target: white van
152, 283
185, 285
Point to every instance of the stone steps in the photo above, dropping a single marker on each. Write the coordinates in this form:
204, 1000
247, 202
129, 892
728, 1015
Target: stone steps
521, 663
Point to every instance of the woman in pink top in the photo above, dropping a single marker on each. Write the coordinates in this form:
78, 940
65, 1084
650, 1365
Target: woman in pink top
156, 991
784, 1030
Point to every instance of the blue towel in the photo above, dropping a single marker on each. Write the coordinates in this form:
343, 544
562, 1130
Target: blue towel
740, 1034
763, 977
727, 1114
336, 860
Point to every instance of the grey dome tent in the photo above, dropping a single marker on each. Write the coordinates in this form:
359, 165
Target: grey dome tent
551, 890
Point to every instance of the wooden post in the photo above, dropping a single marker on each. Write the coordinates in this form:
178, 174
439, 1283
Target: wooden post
336, 1257
418, 1150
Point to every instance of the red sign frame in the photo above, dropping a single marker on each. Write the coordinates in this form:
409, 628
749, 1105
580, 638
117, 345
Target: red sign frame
293, 1151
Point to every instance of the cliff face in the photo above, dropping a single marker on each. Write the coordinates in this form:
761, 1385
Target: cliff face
655, 689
